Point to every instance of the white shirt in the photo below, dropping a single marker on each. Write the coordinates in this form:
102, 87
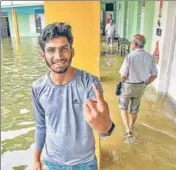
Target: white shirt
110, 30
138, 66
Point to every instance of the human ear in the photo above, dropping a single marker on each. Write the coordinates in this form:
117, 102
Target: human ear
72, 52
42, 55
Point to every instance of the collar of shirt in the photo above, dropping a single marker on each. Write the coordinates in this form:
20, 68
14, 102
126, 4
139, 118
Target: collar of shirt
139, 49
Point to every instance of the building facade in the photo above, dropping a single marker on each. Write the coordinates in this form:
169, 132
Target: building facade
30, 19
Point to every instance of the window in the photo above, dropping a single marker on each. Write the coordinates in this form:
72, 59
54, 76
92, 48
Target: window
38, 19
109, 7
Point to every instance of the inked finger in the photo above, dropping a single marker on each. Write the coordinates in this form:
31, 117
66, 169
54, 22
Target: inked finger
98, 94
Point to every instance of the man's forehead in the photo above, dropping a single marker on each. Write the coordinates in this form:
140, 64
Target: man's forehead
59, 41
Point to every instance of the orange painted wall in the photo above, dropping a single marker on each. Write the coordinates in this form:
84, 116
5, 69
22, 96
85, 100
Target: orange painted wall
84, 17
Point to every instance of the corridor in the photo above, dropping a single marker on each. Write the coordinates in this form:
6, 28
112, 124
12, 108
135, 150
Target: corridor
154, 141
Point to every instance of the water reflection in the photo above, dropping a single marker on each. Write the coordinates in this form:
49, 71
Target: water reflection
21, 65
21, 159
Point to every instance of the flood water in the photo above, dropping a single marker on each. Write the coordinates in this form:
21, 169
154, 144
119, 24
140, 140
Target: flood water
153, 146
21, 65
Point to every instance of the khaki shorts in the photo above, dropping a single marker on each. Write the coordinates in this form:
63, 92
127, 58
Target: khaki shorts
133, 93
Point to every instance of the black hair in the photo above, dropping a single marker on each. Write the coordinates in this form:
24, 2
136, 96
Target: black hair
54, 30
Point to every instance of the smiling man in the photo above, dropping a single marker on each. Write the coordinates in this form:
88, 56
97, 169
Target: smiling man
68, 104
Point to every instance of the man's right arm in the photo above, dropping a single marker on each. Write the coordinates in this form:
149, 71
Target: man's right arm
40, 131
107, 27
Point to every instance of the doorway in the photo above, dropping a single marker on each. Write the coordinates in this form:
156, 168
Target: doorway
5, 28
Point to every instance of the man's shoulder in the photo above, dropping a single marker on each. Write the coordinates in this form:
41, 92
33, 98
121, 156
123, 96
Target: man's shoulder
87, 76
139, 52
40, 82
88, 79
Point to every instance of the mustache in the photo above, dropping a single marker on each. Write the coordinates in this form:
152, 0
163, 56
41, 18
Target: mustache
59, 60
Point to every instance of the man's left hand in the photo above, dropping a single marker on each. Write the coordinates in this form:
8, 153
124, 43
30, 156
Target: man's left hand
96, 112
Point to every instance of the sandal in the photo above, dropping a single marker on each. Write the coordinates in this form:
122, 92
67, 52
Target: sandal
128, 134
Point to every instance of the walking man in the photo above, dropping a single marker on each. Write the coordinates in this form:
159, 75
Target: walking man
137, 70
68, 104
110, 32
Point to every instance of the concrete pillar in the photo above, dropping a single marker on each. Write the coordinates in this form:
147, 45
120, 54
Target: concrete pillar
15, 26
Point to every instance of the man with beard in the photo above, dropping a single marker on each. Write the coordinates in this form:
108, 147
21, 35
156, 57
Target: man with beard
68, 105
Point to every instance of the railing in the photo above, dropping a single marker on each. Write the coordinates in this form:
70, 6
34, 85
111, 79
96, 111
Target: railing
123, 46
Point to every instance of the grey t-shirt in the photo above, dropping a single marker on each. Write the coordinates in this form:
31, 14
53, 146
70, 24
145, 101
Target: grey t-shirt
60, 123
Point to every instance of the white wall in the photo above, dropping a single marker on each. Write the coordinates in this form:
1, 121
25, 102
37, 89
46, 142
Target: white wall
165, 43
172, 80
161, 39
42, 20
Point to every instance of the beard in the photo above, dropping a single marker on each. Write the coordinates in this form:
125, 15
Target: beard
59, 70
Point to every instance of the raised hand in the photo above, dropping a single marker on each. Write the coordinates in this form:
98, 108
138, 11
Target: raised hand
96, 112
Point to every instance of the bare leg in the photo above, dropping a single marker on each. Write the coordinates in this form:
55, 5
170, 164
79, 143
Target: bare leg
124, 115
107, 48
111, 40
133, 118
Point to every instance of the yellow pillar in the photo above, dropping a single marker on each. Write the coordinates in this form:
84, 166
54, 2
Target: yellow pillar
84, 17
15, 26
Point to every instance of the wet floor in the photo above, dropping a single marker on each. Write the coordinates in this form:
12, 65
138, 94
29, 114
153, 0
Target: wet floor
153, 146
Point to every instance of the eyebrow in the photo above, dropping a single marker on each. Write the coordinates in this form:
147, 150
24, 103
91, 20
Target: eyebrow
60, 47
64, 46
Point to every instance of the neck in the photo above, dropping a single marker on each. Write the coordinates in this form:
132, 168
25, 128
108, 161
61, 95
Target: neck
63, 78
138, 49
